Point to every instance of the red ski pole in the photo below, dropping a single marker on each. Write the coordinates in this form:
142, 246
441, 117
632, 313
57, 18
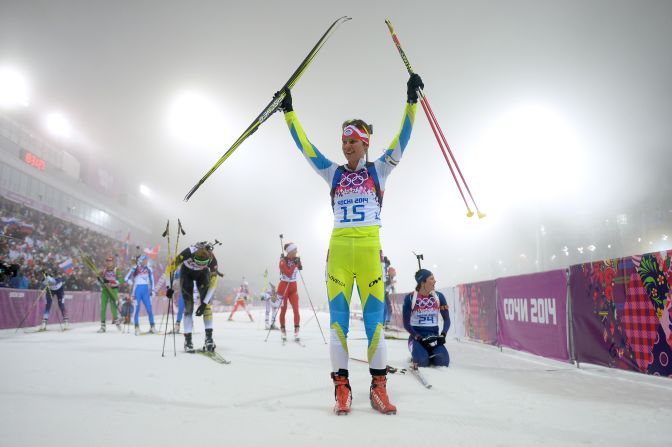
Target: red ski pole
438, 133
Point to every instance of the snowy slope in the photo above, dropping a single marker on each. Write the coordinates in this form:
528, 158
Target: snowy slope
80, 388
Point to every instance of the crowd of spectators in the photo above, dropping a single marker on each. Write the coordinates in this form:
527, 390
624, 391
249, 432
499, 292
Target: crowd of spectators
33, 243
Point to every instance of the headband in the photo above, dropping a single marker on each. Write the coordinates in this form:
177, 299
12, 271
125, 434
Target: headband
352, 131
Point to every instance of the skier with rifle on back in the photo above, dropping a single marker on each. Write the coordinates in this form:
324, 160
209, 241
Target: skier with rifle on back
111, 276
421, 319
198, 267
289, 265
55, 285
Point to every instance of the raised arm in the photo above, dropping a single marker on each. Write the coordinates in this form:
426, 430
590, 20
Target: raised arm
392, 155
321, 164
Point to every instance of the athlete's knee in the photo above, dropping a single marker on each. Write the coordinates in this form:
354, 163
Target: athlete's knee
441, 357
420, 354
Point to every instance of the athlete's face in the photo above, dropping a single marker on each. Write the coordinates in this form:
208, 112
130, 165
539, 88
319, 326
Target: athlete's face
429, 285
354, 150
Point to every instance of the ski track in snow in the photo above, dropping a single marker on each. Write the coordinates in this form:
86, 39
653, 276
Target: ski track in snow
81, 388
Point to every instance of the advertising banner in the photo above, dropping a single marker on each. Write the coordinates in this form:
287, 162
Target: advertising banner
479, 308
621, 313
532, 313
15, 304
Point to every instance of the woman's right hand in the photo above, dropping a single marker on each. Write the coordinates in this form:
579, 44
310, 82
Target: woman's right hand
286, 104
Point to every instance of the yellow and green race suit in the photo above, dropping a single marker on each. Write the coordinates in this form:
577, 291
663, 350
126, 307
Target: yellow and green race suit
354, 249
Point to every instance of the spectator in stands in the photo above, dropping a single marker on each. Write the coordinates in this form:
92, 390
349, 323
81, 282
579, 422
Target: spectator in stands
38, 242
19, 281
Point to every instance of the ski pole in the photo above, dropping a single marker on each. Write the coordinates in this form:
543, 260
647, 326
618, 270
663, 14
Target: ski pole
30, 310
170, 312
275, 315
166, 235
313, 307
438, 133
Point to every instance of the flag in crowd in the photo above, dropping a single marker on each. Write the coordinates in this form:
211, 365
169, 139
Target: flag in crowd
67, 266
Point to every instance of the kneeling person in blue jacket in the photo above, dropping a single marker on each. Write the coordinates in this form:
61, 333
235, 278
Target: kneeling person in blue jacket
421, 320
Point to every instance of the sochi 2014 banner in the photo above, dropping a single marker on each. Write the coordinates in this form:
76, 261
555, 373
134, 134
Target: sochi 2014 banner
532, 313
622, 313
18, 305
479, 308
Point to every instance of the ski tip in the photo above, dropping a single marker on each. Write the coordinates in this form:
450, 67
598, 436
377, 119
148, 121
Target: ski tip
481, 215
469, 212
193, 190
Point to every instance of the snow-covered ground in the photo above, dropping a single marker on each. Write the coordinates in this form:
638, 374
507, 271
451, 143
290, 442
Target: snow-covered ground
80, 388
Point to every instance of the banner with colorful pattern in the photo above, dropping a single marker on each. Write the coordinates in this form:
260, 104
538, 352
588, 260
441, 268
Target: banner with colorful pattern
622, 313
479, 309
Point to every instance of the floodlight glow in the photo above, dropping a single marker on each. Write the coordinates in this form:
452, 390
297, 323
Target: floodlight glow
531, 148
664, 237
58, 125
145, 191
195, 118
13, 88
591, 247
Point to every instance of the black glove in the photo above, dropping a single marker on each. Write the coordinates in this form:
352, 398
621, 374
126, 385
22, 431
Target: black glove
298, 263
286, 104
414, 83
169, 293
200, 310
430, 342
441, 340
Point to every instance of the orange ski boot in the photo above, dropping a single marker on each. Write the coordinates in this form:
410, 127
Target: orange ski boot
378, 395
342, 392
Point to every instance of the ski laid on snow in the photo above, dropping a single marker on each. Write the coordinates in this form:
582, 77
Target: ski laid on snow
214, 356
420, 376
390, 369
272, 107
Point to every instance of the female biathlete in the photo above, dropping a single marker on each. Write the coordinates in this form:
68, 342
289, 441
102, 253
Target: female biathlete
357, 189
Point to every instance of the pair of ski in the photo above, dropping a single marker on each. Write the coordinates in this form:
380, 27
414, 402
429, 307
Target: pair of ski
45, 330
298, 342
213, 355
412, 368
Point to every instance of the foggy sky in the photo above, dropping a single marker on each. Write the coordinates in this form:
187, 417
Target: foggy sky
599, 71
